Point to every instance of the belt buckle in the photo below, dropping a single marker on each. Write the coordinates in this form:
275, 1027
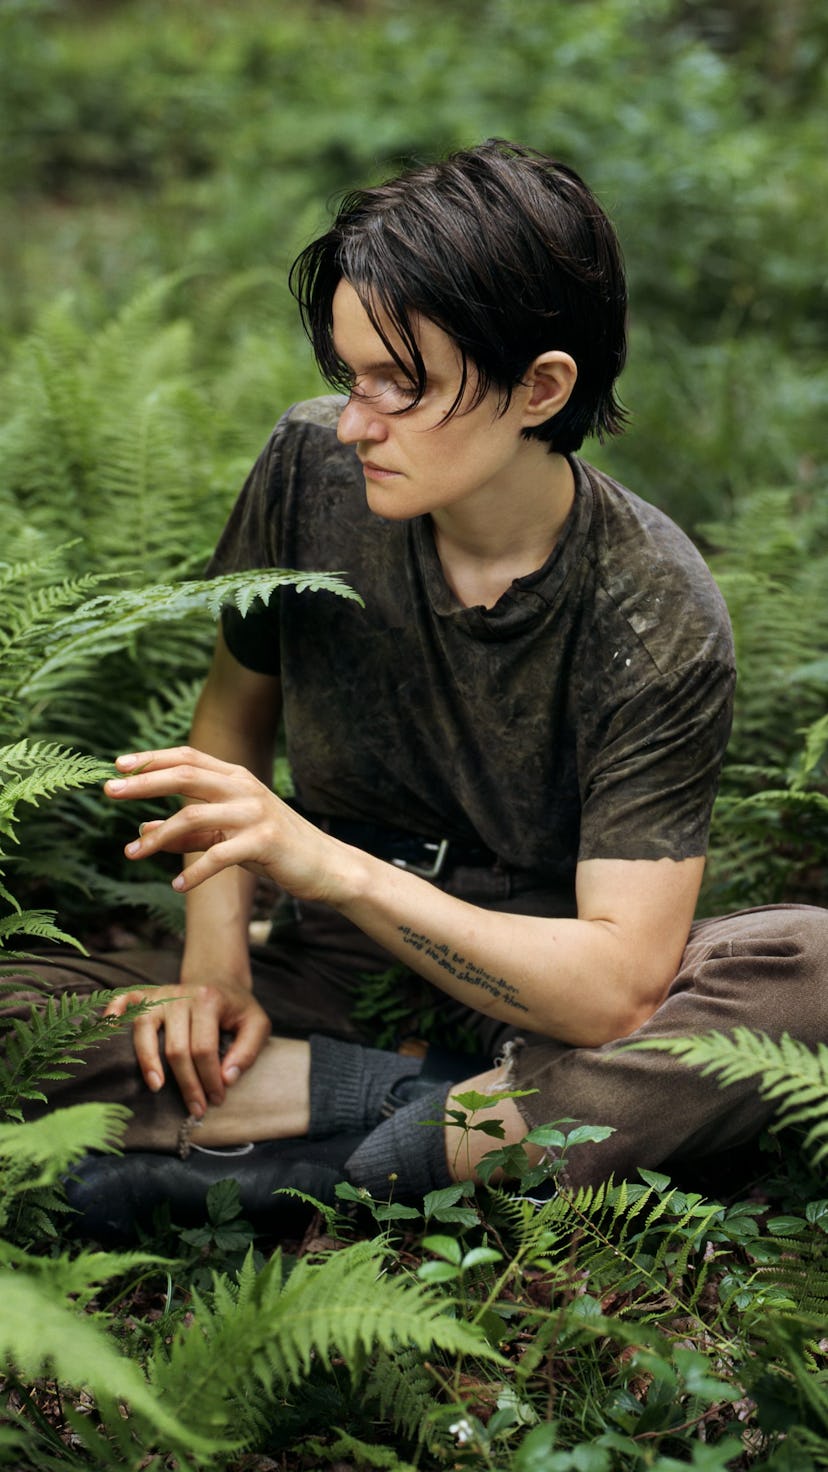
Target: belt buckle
434, 870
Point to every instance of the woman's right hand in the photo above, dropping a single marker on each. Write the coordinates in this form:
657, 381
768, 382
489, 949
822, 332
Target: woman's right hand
193, 1019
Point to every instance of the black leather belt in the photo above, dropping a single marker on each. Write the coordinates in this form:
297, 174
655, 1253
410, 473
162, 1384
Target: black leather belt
428, 857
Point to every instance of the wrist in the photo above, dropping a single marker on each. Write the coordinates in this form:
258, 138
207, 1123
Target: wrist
200, 968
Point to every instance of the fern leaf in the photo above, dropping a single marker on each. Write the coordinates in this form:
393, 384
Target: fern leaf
272, 1330
794, 1076
42, 769
47, 1147
49, 1040
365, 1454
402, 1390
108, 622
39, 1335
37, 923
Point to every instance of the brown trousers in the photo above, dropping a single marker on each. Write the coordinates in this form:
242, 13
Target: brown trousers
764, 969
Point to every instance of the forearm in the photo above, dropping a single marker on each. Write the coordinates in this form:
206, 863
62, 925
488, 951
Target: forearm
568, 979
216, 943
218, 914
585, 981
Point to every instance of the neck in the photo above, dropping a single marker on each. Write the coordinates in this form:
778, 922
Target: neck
484, 547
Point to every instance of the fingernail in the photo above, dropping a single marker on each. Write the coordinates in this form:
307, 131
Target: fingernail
115, 784
132, 848
231, 1074
178, 882
155, 1081
196, 1108
125, 762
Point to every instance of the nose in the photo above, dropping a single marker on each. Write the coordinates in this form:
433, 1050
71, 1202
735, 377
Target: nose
360, 421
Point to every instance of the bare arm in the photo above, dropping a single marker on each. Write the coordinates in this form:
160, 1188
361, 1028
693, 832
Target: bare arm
584, 981
235, 720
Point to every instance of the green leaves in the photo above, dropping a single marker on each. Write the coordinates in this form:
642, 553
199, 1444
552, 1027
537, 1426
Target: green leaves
40, 1335
110, 621
794, 1076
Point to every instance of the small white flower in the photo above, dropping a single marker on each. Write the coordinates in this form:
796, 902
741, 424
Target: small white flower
463, 1430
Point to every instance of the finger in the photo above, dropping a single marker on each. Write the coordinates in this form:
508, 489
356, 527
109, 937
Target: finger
204, 1043
195, 827
186, 779
253, 1032
177, 1052
147, 1052
172, 756
118, 1006
237, 850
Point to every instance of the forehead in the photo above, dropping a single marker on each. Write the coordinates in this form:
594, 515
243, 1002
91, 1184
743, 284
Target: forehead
359, 345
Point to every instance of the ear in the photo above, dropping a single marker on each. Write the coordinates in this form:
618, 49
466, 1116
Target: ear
550, 379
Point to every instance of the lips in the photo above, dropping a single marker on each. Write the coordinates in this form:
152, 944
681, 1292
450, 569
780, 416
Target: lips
370, 468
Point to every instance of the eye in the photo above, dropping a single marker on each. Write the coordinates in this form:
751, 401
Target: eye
387, 394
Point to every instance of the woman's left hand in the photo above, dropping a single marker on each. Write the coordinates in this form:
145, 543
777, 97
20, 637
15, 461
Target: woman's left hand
229, 817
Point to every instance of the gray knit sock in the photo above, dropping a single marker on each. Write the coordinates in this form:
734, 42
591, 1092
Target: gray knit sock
405, 1147
350, 1084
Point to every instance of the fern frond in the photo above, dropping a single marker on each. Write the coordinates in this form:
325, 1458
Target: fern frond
80, 1276
365, 1454
42, 1336
800, 1272
42, 768
402, 1390
641, 1242
794, 1076
270, 1330
36, 923
154, 897
49, 1041
44, 1149
109, 621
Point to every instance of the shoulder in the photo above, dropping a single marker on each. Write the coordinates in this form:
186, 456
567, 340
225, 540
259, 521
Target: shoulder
651, 576
302, 449
307, 427
323, 411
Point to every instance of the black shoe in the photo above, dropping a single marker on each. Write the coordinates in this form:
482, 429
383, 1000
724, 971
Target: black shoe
115, 1194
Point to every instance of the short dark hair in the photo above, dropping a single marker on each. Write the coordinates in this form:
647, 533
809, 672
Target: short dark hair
503, 248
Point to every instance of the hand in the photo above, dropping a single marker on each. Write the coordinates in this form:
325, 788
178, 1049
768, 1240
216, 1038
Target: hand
193, 1017
230, 818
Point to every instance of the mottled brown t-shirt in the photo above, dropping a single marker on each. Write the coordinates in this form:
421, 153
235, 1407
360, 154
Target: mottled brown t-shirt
584, 716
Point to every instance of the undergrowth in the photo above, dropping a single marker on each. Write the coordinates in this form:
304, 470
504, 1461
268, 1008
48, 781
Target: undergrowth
630, 1325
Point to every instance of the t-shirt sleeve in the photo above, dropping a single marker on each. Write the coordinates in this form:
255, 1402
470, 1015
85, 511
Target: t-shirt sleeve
251, 539
649, 788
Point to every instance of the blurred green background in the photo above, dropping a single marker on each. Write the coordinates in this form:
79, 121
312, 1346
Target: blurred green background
155, 136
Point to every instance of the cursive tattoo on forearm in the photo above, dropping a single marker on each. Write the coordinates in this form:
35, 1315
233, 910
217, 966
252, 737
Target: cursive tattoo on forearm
457, 966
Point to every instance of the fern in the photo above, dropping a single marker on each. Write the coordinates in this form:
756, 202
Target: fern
367, 1454
790, 1074
40, 770
44, 1045
58, 643
109, 621
770, 823
39, 1335
38, 924
42, 1150
269, 1329
403, 1392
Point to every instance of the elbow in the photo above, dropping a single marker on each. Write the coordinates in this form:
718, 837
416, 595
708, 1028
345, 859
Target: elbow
638, 1006
632, 1008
